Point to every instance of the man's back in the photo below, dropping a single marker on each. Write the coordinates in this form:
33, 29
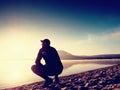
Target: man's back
51, 57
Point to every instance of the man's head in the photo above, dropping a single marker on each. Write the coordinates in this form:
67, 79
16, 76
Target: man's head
45, 42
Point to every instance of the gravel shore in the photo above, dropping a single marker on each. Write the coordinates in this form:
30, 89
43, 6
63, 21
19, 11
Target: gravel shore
100, 79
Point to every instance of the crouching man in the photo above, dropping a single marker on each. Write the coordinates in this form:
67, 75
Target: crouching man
53, 65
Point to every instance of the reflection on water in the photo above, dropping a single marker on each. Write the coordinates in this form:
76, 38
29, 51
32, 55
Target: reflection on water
14, 73
81, 68
76, 66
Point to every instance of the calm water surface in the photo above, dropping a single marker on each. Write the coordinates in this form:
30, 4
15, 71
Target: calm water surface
18, 72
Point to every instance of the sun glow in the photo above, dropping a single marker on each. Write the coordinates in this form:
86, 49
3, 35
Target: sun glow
15, 75
14, 71
14, 46
17, 43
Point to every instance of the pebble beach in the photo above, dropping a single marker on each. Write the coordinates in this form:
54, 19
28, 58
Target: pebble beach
100, 79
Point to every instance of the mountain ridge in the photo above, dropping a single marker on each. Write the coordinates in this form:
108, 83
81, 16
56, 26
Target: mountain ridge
66, 55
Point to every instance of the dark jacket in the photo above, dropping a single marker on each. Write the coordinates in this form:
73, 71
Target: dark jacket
51, 57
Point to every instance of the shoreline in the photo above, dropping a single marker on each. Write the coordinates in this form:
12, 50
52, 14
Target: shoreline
104, 78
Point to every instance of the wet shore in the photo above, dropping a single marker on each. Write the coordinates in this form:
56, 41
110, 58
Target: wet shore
100, 79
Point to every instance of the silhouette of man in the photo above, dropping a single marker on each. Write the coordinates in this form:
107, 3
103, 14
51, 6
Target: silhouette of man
53, 65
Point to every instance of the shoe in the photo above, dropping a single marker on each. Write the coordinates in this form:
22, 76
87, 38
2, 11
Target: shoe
56, 81
47, 82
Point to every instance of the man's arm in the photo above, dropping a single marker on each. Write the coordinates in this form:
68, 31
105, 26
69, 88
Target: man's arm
39, 57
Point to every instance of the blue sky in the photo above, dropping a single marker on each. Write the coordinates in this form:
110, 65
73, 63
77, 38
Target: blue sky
81, 27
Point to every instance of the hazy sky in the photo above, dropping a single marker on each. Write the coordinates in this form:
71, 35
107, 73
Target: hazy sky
81, 27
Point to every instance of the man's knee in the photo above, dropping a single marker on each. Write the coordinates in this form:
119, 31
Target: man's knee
33, 68
39, 70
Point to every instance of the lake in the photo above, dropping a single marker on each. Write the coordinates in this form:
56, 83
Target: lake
18, 72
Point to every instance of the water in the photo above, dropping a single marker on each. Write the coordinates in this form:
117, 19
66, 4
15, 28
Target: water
18, 72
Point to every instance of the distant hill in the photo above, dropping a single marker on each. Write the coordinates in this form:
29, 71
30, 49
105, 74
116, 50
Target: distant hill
65, 55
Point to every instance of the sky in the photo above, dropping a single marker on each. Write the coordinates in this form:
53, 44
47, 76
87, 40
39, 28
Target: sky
80, 27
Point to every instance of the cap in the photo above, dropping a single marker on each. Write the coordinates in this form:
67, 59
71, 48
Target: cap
46, 41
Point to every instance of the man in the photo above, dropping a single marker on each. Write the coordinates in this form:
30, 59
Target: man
53, 65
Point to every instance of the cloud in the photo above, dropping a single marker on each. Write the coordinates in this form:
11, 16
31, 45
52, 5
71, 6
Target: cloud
110, 36
106, 37
116, 35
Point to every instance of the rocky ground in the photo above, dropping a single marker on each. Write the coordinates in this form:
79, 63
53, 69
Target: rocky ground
100, 79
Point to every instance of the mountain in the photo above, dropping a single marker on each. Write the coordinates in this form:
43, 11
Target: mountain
65, 55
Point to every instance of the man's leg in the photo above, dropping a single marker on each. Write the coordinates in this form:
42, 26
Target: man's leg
40, 71
56, 79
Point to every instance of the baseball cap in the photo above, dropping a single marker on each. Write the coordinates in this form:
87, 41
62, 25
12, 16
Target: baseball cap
46, 41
